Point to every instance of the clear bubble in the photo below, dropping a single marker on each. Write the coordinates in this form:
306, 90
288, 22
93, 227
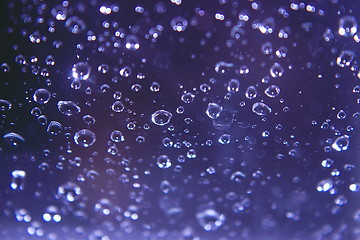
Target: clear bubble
213, 110
179, 24
161, 117
347, 26
81, 70
5, 105
41, 96
69, 191
272, 91
210, 219
54, 128
345, 58
251, 92
325, 185
261, 109
75, 25
233, 85
163, 162
84, 138
68, 108
117, 106
187, 97
276, 70
341, 143
14, 139
117, 136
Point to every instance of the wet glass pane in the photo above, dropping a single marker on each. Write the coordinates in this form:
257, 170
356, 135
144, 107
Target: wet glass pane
179, 119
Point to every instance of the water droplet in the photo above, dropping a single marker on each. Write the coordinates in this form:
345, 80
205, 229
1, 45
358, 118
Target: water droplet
223, 67
210, 219
276, 70
52, 214
117, 106
325, 185
233, 85
251, 92
237, 176
18, 180
5, 105
132, 42
14, 139
161, 117
267, 48
179, 24
327, 163
267, 26
81, 70
89, 120
347, 26
125, 72
84, 138
341, 143
272, 91
225, 139
68, 108
69, 191
41, 96
341, 115
345, 58
59, 12
75, 25
163, 162
187, 97
54, 128
213, 110
117, 136
261, 109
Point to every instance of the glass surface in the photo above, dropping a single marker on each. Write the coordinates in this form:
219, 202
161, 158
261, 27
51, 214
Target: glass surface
179, 119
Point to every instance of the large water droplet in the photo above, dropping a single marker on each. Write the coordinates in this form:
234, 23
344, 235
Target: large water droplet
68, 108
84, 138
42, 96
161, 117
341, 143
261, 108
213, 110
